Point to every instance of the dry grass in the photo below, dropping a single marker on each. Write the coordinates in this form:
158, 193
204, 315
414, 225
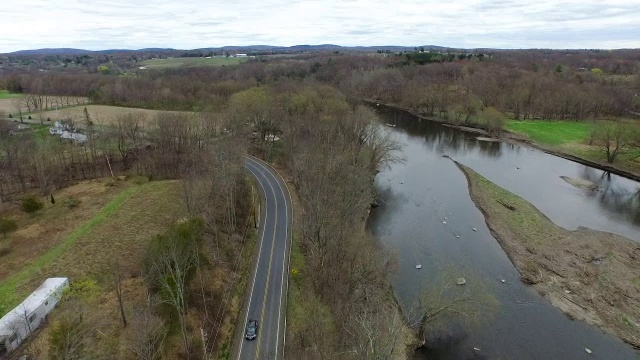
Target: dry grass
9, 105
195, 61
122, 237
100, 114
37, 235
590, 275
110, 224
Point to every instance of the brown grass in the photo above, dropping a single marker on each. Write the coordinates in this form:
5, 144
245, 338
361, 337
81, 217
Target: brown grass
100, 114
590, 275
9, 105
122, 238
36, 235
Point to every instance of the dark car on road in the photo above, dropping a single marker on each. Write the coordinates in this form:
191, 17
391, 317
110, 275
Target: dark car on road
252, 330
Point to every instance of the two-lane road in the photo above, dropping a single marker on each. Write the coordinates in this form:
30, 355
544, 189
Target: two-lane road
267, 293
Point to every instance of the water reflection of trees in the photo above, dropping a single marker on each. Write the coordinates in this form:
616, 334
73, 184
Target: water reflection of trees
438, 137
613, 195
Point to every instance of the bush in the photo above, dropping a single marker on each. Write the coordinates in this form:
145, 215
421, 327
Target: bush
7, 226
29, 117
5, 248
139, 180
10, 116
492, 119
71, 202
31, 204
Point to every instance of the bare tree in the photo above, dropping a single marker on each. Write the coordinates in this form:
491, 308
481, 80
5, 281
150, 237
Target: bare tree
614, 137
146, 335
450, 298
17, 105
117, 280
170, 264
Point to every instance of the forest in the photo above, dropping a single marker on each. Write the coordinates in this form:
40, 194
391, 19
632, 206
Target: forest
330, 146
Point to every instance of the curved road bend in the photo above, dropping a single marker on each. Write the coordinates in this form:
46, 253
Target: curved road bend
267, 293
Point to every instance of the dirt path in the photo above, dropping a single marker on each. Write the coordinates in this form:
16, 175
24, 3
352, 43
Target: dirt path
590, 275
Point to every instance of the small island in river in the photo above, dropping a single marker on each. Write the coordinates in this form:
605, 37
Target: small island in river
590, 275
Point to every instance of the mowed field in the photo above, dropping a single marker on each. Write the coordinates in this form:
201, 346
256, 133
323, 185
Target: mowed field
111, 225
9, 103
4, 94
175, 62
100, 114
572, 137
552, 132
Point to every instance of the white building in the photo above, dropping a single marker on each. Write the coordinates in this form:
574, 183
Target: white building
26, 317
241, 55
67, 131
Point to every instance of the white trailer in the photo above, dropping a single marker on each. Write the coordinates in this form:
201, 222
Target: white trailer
26, 317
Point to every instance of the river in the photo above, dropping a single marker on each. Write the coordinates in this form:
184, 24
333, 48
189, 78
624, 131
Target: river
426, 217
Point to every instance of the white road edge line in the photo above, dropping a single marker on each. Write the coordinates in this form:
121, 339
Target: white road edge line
255, 273
263, 171
284, 336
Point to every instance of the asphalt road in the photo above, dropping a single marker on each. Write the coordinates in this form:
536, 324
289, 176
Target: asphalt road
267, 291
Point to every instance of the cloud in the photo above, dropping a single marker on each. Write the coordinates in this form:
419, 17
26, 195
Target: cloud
102, 24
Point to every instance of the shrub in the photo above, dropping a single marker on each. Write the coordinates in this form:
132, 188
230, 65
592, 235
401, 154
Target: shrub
5, 248
31, 204
492, 119
7, 226
139, 180
10, 116
71, 202
29, 117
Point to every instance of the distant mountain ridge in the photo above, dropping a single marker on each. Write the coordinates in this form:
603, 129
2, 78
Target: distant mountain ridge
248, 48
51, 51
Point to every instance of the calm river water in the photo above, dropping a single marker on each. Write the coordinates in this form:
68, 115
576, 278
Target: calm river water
417, 196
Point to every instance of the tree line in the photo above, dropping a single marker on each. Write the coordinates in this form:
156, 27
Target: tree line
525, 85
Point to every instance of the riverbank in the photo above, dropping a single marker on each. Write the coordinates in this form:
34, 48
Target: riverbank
301, 302
590, 275
575, 151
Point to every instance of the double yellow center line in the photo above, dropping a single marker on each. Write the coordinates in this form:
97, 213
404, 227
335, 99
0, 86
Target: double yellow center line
273, 243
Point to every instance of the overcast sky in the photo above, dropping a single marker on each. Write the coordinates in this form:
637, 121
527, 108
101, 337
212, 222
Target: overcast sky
188, 24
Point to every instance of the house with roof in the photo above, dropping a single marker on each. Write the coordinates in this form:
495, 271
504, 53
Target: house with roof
67, 131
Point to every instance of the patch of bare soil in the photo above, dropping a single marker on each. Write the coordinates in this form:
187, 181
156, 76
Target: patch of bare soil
590, 275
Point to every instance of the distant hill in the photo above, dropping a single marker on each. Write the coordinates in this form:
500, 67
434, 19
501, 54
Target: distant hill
246, 48
54, 51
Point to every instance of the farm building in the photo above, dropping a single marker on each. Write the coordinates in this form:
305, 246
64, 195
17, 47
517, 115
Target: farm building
26, 317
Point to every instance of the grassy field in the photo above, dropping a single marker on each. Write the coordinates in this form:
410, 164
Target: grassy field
551, 132
572, 137
4, 94
110, 223
100, 114
10, 102
175, 62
